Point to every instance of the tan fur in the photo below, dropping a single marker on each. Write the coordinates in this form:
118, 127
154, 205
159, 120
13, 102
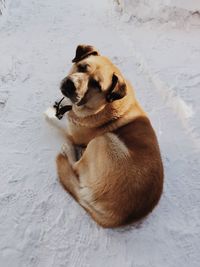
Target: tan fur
119, 177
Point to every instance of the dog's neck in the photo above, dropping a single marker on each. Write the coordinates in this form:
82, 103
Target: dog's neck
112, 116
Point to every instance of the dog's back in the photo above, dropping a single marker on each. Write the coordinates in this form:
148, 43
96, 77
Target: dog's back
146, 182
130, 183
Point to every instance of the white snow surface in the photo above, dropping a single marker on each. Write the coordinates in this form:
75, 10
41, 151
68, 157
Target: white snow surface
40, 224
2, 6
173, 11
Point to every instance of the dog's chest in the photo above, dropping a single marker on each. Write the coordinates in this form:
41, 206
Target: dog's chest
81, 135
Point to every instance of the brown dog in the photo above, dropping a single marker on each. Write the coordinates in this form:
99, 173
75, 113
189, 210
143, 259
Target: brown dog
119, 177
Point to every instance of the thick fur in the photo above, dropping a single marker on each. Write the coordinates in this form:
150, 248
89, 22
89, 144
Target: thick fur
118, 175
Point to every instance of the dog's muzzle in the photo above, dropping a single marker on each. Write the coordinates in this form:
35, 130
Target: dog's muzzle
68, 89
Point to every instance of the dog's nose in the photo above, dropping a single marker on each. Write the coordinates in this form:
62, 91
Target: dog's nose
68, 88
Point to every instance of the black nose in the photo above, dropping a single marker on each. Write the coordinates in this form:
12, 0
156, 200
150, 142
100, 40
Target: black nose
68, 88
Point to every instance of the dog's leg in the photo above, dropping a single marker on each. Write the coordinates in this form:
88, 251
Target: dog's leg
70, 181
94, 168
67, 176
65, 162
88, 184
68, 150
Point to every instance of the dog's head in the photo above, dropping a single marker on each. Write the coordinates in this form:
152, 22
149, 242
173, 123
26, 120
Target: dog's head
93, 80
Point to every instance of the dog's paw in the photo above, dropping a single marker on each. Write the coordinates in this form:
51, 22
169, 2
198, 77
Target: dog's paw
65, 150
50, 114
68, 151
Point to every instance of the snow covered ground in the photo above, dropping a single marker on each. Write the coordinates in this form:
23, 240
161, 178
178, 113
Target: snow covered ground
40, 225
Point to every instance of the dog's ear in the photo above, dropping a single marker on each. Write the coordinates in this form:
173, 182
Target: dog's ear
83, 51
117, 89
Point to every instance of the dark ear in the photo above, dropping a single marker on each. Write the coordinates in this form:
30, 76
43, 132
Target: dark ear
83, 51
117, 89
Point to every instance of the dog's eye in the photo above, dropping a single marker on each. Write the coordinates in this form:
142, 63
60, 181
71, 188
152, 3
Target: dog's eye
95, 84
82, 68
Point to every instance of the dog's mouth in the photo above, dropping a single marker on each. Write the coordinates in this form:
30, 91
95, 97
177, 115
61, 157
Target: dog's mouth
61, 109
68, 90
83, 101
77, 100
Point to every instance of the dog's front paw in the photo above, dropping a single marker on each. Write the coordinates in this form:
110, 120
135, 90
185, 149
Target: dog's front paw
68, 151
65, 150
50, 114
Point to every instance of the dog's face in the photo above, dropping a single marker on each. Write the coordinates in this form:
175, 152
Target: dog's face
93, 80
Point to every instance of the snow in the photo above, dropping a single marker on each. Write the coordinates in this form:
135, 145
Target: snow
162, 11
41, 225
2, 6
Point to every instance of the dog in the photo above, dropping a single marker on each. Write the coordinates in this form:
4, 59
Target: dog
111, 162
